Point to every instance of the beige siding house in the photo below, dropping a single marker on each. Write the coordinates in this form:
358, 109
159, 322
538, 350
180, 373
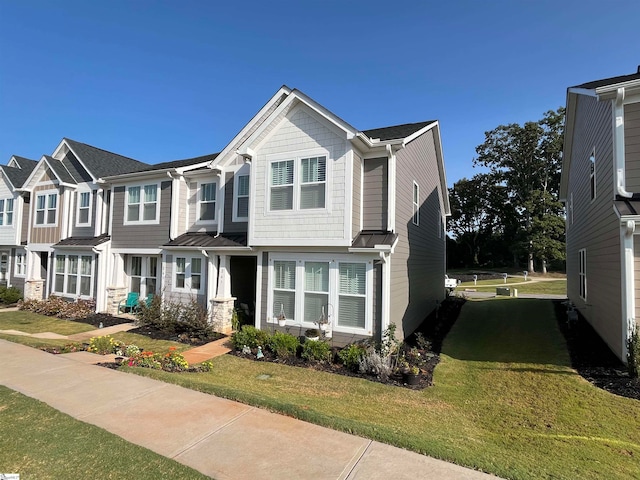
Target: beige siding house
600, 187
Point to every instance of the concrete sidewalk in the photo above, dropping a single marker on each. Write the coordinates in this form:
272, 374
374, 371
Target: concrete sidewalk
218, 437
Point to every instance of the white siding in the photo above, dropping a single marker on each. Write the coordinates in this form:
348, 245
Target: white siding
301, 131
8, 232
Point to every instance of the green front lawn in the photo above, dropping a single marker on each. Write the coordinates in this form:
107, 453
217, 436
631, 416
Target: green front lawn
41, 442
30, 322
505, 400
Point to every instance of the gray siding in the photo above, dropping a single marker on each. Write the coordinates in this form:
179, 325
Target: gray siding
418, 265
141, 236
375, 195
632, 146
83, 231
357, 194
595, 226
229, 225
26, 217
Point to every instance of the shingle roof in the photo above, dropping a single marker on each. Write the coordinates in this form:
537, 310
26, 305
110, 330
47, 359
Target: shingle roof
371, 238
102, 163
17, 176
60, 170
610, 81
25, 163
209, 240
396, 131
181, 163
83, 241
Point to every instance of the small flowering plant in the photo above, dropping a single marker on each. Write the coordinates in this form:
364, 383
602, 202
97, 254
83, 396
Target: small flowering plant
103, 345
172, 361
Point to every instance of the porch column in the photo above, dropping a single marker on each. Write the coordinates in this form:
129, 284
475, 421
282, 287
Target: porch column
223, 304
117, 290
34, 284
212, 278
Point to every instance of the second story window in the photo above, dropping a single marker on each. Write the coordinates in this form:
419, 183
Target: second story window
142, 204
416, 204
6, 211
46, 206
207, 202
299, 184
84, 208
242, 197
592, 173
282, 185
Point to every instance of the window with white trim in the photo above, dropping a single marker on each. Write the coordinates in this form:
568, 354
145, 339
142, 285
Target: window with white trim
284, 289
322, 286
241, 194
46, 208
6, 211
592, 173
416, 204
83, 216
142, 204
206, 209
298, 184
21, 264
582, 273
73, 275
188, 272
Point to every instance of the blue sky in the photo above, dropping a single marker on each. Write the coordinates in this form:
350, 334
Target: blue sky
166, 80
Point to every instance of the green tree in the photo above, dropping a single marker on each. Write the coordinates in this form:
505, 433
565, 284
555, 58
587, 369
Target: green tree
526, 160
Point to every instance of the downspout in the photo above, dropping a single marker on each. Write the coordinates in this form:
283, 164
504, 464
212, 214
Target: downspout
385, 301
618, 144
220, 213
97, 208
628, 284
175, 204
391, 190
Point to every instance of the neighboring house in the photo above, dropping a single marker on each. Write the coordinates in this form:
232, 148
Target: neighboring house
147, 209
67, 245
14, 209
600, 187
321, 220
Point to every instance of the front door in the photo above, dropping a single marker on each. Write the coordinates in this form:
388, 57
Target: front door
243, 286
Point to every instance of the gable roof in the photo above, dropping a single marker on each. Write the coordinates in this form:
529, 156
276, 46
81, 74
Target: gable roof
396, 132
18, 175
25, 163
609, 81
101, 163
60, 170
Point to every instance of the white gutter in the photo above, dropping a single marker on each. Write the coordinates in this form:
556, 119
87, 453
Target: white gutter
618, 144
220, 201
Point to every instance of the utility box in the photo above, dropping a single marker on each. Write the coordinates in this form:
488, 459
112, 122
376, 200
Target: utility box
503, 291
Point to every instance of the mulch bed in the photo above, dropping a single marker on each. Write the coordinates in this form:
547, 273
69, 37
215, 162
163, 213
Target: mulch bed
593, 359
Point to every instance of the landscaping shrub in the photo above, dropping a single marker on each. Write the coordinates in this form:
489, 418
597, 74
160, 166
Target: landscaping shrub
172, 361
284, 345
59, 307
189, 318
316, 350
103, 345
373, 363
150, 315
10, 295
351, 356
250, 336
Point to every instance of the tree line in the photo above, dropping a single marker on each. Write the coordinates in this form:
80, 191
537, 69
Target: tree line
510, 215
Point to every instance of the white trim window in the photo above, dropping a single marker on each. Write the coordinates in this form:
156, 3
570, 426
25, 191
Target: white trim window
83, 215
582, 274
416, 204
143, 274
142, 204
73, 275
281, 196
241, 197
46, 209
21, 263
206, 209
339, 288
299, 183
592, 173
188, 274
6, 212
284, 288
